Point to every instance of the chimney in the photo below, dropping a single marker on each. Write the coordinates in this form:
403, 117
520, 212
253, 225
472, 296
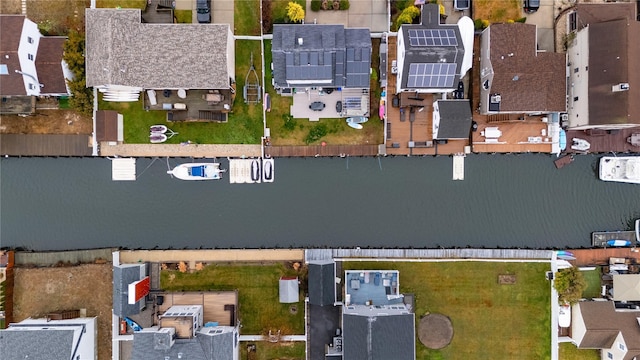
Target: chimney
300, 41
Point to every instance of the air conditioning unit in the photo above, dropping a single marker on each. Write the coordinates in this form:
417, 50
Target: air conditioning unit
394, 69
564, 117
496, 98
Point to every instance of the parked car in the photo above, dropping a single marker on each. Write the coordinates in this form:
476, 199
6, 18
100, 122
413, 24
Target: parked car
461, 5
531, 6
459, 92
339, 107
317, 106
203, 10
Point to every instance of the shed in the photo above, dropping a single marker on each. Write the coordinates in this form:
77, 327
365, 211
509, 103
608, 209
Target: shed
289, 292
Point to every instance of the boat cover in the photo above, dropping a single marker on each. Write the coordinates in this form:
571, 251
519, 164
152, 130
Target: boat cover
197, 171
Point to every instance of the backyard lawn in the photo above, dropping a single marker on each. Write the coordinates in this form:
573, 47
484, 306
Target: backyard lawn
497, 11
269, 351
592, 277
246, 17
257, 285
245, 124
568, 351
491, 321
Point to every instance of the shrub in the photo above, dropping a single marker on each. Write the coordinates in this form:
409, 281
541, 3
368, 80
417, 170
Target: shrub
402, 4
570, 284
289, 124
82, 97
407, 16
374, 75
336, 4
295, 12
316, 5
325, 5
521, 20
316, 133
480, 24
344, 5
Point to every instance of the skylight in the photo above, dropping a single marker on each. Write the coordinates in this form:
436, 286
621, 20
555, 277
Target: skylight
4, 70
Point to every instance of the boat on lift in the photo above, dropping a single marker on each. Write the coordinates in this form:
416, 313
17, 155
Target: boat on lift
197, 171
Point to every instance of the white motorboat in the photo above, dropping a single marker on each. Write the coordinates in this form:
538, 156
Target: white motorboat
620, 169
267, 170
197, 171
580, 144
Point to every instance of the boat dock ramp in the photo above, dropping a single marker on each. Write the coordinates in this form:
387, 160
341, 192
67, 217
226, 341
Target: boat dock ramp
600, 238
458, 167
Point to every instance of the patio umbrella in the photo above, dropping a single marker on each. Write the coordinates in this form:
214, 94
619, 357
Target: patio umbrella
563, 140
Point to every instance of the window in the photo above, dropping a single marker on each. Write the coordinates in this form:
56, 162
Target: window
30, 56
575, 98
573, 21
30, 39
31, 86
609, 355
576, 70
621, 346
586, 68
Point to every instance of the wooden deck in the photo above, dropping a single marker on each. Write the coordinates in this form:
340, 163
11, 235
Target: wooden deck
213, 303
592, 257
603, 141
600, 238
45, 145
321, 151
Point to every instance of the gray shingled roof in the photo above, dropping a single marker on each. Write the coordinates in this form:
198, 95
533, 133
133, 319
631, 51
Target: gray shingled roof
207, 345
445, 54
378, 337
455, 119
329, 56
322, 283
120, 50
16, 344
122, 277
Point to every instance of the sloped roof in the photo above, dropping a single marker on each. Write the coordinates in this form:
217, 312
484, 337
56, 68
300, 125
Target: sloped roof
591, 13
450, 54
49, 65
614, 50
321, 55
16, 344
208, 345
322, 283
455, 119
120, 50
11, 30
527, 81
289, 292
107, 127
378, 337
603, 323
123, 275
626, 287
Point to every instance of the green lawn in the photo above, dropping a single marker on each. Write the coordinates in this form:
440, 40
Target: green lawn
569, 351
592, 278
246, 17
490, 321
183, 16
257, 285
269, 351
245, 121
125, 4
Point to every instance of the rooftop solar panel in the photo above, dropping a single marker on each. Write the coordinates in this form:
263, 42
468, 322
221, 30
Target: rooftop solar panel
431, 75
432, 37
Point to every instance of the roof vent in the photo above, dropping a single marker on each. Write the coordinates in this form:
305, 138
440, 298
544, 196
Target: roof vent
300, 41
620, 87
516, 78
496, 98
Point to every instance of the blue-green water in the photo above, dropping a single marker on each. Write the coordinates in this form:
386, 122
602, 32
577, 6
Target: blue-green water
504, 201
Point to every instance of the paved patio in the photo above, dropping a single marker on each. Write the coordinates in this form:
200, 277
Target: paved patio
301, 100
370, 14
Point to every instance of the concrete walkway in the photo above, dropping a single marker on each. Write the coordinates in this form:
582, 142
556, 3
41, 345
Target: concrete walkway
179, 150
134, 256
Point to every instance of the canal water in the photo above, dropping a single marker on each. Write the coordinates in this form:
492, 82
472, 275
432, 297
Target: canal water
504, 201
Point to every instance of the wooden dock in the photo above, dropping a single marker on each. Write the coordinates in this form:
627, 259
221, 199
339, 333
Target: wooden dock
600, 238
563, 161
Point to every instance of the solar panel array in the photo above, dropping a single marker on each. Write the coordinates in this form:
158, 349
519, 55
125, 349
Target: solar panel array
432, 37
431, 75
358, 67
309, 66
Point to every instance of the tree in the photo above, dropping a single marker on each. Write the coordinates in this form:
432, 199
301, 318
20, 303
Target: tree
407, 15
81, 97
570, 284
295, 12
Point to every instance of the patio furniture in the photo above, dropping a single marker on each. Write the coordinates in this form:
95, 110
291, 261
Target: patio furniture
492, 132
213, 98
634, 139
355, 284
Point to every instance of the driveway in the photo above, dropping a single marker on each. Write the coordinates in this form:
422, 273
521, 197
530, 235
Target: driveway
371, 14
323, 322
543, 19
221, 11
